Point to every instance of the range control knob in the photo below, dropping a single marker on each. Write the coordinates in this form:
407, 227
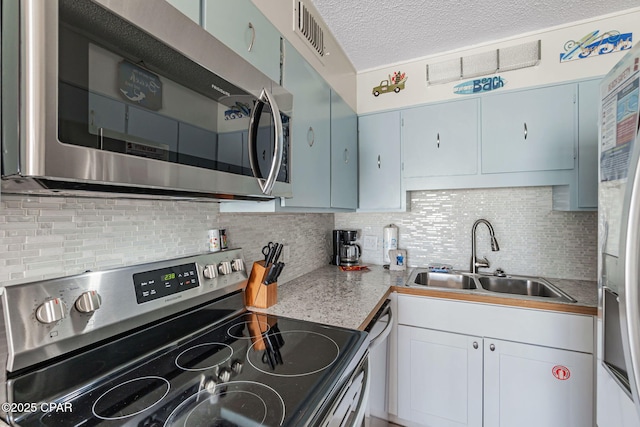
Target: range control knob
237, 264
225, 267
51, 311
88, 302
210, 271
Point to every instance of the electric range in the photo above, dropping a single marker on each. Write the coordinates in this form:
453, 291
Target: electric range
170, 343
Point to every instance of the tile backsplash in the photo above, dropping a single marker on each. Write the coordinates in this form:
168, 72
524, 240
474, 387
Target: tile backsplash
44, 237
533, 239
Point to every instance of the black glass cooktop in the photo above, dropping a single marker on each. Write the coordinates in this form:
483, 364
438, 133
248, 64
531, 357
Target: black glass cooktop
251, 370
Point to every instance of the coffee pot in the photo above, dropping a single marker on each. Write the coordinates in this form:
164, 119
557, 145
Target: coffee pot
345, 251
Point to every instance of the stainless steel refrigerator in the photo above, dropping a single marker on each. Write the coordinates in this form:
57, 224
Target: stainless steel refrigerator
618, 365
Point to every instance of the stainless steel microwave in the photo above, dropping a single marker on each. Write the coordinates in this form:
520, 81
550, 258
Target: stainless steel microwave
132, 98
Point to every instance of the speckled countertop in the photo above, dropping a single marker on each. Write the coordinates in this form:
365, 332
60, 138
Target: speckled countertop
348, 298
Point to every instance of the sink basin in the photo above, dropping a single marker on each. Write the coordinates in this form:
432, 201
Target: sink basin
444, 280
534, 287
514, 286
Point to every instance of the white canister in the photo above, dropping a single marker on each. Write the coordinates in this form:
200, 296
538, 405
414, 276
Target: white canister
389, 242
214, 240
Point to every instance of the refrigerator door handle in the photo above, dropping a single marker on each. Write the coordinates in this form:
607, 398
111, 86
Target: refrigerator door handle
630, 292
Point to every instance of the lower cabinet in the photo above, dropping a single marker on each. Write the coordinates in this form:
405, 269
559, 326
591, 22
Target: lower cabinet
532, 386
439, 377
503, 372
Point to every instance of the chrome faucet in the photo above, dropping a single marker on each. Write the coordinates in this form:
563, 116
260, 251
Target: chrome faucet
475, 262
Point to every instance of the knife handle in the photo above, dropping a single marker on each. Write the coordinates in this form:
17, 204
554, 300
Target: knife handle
276, 257
270, 255
270, 274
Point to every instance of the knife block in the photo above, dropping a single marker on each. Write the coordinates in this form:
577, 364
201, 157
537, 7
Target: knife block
257, 294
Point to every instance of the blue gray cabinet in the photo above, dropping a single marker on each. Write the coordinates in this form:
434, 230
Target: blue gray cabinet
588, 105
344, 154
379, 162
244, 29
190, 8
310, 133
529, 130
582, 191
440, 139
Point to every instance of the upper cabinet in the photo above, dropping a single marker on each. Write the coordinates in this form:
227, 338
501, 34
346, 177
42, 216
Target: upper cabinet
440, 139
379, 162
242, 27
539, 136
191, 8
530, 130
310, 133
344, 154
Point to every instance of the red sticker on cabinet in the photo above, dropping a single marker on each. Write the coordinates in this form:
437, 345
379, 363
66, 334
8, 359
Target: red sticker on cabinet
561, 372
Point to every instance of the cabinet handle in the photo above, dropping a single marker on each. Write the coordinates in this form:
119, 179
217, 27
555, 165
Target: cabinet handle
311, 136
492, 347
378, 161
253, 36
475, 345
346, 155
525, 131
438, 140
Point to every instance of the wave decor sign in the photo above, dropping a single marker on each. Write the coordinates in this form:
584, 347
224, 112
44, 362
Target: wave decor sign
594, 44
485, 84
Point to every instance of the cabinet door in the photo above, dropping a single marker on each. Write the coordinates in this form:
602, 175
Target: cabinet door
242, 27
439, 377
440, 140
532, 130
379, 161
310, 133
344, 154
588, 104
527, 385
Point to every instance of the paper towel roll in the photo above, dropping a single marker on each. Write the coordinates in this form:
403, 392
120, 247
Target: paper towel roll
389, 241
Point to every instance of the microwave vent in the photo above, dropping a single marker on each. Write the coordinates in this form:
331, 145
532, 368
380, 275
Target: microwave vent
309, 28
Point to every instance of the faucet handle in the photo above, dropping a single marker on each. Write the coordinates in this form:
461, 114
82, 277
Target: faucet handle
484, 263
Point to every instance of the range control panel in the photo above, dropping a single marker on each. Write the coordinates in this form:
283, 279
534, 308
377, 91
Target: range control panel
52, 317
163, 282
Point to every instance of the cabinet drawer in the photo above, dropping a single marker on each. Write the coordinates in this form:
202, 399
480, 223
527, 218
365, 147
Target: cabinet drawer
538, 327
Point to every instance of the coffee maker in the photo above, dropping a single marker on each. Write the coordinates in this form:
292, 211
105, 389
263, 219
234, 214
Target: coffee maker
345, 250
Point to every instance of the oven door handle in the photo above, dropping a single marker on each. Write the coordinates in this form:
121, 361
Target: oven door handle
266, 185
349, 410
385, 332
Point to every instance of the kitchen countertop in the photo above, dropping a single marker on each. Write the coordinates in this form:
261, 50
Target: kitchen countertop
350, 298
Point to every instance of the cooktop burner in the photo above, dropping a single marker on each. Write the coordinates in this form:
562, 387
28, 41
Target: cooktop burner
204, 356
305, 353
130, 398
243, 403
248, 330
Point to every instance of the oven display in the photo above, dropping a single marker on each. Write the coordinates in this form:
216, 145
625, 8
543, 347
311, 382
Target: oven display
160, 283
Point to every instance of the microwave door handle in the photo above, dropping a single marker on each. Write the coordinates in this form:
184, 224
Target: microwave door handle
631, 292
266, 185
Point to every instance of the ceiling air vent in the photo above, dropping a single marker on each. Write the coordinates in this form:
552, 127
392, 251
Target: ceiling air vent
308, 27
498, 60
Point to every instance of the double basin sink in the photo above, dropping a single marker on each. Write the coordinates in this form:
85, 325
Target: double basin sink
520, 286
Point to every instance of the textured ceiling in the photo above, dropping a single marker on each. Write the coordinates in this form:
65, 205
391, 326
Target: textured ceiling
375, 33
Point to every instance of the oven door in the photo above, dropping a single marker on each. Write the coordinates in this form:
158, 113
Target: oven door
129, 95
